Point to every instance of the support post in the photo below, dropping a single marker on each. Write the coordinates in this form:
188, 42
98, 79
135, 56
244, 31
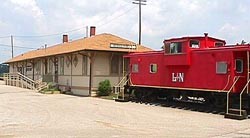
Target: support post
90, 75
71, 71
248, 71
91, 63
140, 2
12, 46
33, 70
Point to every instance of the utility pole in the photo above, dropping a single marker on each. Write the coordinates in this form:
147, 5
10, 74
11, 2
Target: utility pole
140, 3
12, 46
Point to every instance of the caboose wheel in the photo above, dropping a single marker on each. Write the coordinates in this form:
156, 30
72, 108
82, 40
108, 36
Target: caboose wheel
138, 95
220, 101
209, 100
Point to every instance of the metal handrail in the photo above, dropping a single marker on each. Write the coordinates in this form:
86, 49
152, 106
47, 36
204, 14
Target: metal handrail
120, 85
228, 80
122, 79
241, 95
117, 86
237, 78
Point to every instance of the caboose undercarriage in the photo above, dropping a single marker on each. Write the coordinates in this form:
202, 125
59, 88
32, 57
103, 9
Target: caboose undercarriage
213, 99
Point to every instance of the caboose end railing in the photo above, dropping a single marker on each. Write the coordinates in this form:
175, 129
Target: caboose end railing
228, 93
241, 96
119, 88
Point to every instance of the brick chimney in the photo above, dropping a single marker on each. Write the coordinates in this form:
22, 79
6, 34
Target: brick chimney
65, 38
92, 31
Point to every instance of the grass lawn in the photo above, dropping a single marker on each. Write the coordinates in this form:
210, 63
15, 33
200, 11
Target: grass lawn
110, 97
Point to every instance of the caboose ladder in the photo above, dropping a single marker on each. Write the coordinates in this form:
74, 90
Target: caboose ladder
238, 114
119, 89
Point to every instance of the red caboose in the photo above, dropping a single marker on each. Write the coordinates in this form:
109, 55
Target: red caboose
201, 67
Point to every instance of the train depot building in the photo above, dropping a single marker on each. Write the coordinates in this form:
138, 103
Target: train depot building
78, 65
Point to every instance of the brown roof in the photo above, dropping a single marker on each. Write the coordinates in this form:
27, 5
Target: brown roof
99, 42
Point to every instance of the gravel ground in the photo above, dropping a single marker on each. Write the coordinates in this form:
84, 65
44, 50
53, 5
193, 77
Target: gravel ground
24, 113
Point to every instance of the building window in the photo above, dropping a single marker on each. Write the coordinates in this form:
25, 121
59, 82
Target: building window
221, 67
176, 47
50, 66
62, 65
115, 64
28, 68
38, 67
19, 69
239, 65
125, 67
84, 65
135, 68
194, 44
153, 68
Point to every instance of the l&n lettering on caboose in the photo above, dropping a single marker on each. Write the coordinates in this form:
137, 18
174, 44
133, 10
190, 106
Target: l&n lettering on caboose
177, 77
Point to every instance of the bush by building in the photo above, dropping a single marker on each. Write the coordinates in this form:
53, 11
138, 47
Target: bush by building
104, 88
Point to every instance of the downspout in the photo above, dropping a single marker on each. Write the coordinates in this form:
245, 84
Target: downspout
90, 74
71, 71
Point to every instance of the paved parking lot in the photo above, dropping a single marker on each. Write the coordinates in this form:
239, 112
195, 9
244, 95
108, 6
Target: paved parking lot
24, 113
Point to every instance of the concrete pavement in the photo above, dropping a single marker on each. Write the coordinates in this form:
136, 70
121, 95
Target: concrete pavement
25, 113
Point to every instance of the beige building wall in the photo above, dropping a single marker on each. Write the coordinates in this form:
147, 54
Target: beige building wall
102, 69
11, 67
78, 81
101, 64
71, 72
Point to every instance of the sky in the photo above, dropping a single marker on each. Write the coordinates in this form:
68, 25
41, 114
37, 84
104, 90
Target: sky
34, 23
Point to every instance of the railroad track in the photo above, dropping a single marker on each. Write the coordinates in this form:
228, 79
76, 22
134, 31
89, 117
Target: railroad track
191, 106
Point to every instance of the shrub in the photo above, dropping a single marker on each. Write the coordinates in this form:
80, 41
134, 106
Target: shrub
104, 88
51, 87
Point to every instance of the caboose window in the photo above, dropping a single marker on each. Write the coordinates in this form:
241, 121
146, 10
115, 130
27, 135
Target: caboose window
239, 65
135, 68
176, 47
194, 43
153, 68
218, 44
221, 67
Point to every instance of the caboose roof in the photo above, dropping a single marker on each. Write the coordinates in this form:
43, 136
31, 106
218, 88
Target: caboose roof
225, 48
193, 37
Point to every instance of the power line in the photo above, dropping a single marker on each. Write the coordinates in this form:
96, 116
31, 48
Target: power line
101, 25
55, 34
47, 35
4, 45
121, 7
4, 36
